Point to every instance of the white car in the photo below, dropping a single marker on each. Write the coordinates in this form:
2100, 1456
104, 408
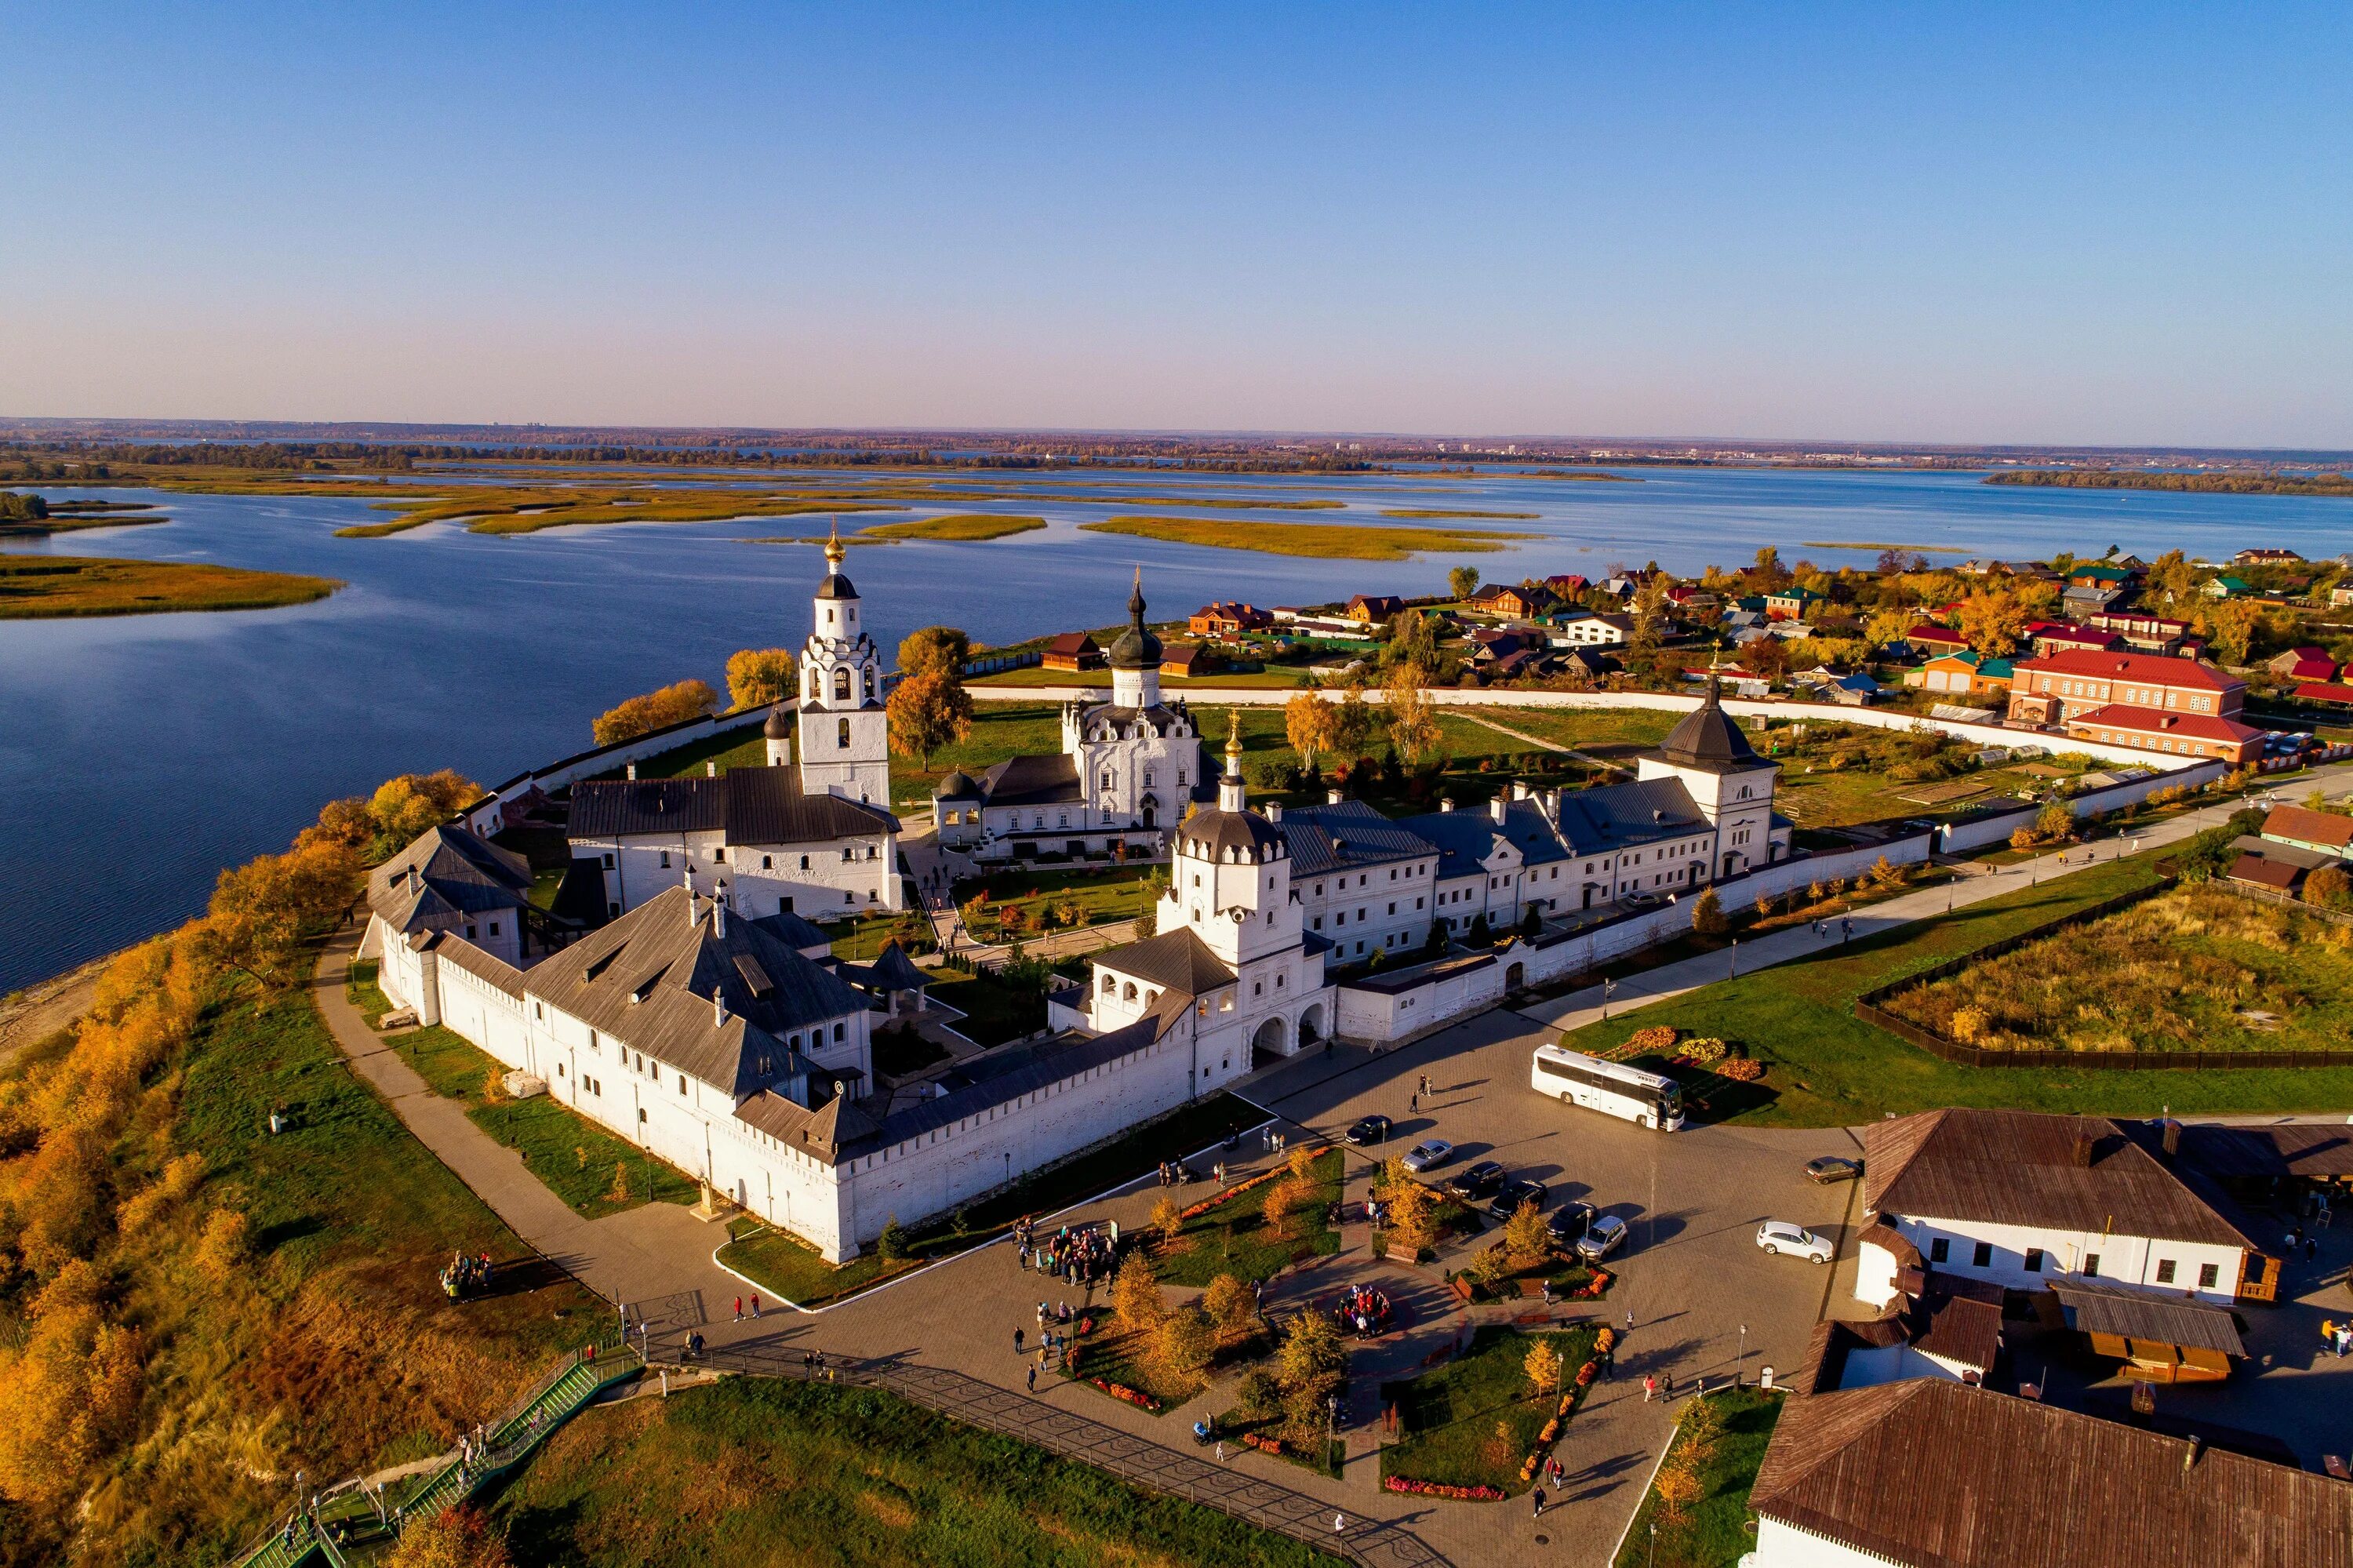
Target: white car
1780, 1236
1429, 1154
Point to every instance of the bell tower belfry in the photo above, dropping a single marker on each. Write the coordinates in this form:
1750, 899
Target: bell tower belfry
845, 734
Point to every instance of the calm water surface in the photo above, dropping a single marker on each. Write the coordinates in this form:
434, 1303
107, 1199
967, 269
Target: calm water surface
140, 755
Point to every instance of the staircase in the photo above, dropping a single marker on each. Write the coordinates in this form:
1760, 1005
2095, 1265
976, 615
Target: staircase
529, 1422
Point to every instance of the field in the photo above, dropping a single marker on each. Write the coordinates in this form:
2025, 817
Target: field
793, 1272
1333, 541
1473, 1421
39, 586
594, 1171
2177, 972
1612, 733
1232, 1238
1713, 1529
759, 1472
994, 1011
1828, 1068
959, 525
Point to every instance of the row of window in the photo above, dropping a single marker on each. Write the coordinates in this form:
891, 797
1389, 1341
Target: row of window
767, 862
811, 688
1940, 1250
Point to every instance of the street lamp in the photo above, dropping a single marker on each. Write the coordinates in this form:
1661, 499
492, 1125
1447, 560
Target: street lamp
1735, 956
1608, 984
1740, 1362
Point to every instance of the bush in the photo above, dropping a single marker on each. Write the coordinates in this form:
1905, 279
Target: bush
1657, 1037
1708, 918
1706, 1049
1259, 1395
2329, 888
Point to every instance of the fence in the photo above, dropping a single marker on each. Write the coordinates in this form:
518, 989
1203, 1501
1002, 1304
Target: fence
1867, 1009
488, 815
1139, 1461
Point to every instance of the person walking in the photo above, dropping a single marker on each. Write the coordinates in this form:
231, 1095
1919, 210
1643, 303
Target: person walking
1650, 1387
755, 1305
1339, 1523
1630, 1320
739, 1309
1033, 1376
1413, 1104
1017, 1339
1221, 1450
1538, 1495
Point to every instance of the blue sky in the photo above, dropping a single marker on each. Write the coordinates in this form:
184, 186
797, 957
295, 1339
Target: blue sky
1967, 223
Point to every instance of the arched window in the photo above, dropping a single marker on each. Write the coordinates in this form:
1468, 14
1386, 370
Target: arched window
1129, 994
870, 682
1110, 985
841, 683
841, 735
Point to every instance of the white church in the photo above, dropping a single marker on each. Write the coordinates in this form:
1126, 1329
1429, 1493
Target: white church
818, 842
1127, 771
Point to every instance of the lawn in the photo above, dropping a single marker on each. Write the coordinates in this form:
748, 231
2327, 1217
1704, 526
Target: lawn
1828, 1068
1613, 733
1712, 1530
745, 748
760, 1472
1341, 541
1060, 900
792, 1271
1232, 1238
37, 588
2174, 973
862, 938
994, 1011
362, 991
589, 1168
998, 731
1474, 1421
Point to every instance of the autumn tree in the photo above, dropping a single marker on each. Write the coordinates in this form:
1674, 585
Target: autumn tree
942, 648
1135, 1294
262, 912
1283, 1201
1708, 918
1992, 621
2056, 823
759, 677
1527, 1240
456, 1538
1167, 1218
1542, 1365
1462, 581
69, 1391
655, 710
2170, 576
2330, 887
927, 711
1412, 1208
1182, 1344
1312, 726
1352, 721
1231, 1308
1413, 722
1886, 627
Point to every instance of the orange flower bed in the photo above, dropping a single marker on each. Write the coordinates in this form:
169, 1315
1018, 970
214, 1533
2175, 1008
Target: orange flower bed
1134, 1396
1437, 1489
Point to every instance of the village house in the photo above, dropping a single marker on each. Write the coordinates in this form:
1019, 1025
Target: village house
2022, 1198
2144, 632
1225, 619
2266, 555
2303, 664
1566, 585
2179, 707
1966, 673
2324, 833
1073, 650
1509, 601
1791, 603
1183, 661
2046, 637
1927, 637
1591, 629
2227, 587
1372, 609
2101, 575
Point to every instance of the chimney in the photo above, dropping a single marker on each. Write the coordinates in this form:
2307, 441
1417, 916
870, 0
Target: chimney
719, 915
1274, 814
2172, 1137
2189, 1455
633, 772
1520, 790
711, 770
1498, 809
1446, 803
1333, 797
718, 1007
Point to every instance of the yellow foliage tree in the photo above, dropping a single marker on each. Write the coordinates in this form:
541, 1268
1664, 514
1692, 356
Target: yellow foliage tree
1312, 726
457, 1538
263, 911
1135, 1294
1543, 1367
1167, 1218
654, 710
1230, 1306
69, 1397
927, 711
1182, 1344
1413, 722
757, 677
1527, 1238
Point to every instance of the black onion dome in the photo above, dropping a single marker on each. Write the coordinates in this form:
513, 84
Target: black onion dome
778, 727
1706, 738
1136, 649
956, 786
1209, 834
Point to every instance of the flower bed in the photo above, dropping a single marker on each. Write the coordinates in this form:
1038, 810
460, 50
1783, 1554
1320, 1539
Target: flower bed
1196, 1211
1136, 1397
1469, 1427
1482, 1493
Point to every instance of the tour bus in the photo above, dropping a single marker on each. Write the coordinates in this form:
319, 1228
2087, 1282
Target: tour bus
1643, 1098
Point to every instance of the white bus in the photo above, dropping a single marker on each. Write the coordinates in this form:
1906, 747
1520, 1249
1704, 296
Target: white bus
1646, 1100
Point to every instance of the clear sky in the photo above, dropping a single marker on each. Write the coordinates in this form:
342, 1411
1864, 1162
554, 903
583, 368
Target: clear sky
1967, 222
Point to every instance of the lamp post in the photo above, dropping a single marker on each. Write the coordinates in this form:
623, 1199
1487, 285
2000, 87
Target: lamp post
1740, 1362
1736, 957
1607, 985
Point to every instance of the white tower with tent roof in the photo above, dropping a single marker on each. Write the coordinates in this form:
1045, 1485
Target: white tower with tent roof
845, 734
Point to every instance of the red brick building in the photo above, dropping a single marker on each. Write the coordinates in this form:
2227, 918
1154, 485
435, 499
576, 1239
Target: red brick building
2179, 706
1224, 618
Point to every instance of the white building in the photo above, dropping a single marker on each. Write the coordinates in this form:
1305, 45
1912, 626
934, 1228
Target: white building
1232, 947
1730, 786
1127, 770
1362, 883
449, 881
818, 842
2021, 1199
1589, 627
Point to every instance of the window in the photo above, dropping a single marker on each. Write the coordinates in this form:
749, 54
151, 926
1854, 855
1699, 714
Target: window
1940, 1249
841, 736
2090, 1266
805, 863
841, 683
2209, 1274
470, 933
1982, 1257
838, 1033
2165, 1271
665, 860
2034, 1260
608, 863
681, 1083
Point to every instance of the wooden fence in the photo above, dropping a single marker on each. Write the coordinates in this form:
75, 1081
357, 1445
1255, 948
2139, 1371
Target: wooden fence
1867, 1008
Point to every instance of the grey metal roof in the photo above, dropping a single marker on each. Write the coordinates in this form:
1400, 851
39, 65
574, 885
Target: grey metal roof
1175, 960
1209, 831
458, 871
957, 786
793, 932
748, 805
1707, 738
647, 979
1466, 838
1617, 816
2094, 1307
1032, 780
1345, 835
1137, 648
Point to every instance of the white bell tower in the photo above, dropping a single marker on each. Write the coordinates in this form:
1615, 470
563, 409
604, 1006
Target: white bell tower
1230, 875
845, 734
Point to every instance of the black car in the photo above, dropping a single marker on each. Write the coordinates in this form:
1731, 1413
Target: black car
1372, 1130
1512, 1195
1476, 1182
1570, 1221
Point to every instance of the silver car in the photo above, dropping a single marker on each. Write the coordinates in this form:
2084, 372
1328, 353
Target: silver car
1429, 1154
1776, 1236
1603, 1237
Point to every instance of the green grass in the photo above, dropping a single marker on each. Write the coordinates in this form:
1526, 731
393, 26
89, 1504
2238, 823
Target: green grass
762, 1472
1714, 1533
574, 1158
1474, 1421
1273, 675
362, 991
999, 730
862, 938
1232, 1238
55, 586
1097, 896
745, 748
961, 525
994, 1011
381, 530
1606, 732
1828, 1068
1332, 541
794, 1272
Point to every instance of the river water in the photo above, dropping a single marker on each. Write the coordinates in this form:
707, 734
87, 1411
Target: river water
139, 754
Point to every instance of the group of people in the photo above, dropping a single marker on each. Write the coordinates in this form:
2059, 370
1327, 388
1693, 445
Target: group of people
1174, 1173
1364, 1312
1077, 1257
466, 1276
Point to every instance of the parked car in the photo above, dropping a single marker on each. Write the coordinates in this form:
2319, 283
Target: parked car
1833, 1168
1603, 1237
1512, 1195
1372, 1130
1780, 1236
1476, 1182
1429, 1154
1571, 1221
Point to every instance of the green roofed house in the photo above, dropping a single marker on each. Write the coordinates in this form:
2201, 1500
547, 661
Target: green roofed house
1791, 603
2227, 587
2094, 574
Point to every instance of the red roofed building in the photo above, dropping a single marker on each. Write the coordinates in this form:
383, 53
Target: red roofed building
2055, 689
1073, 650
2303, 664
1569, 585
1224, 618
2064, 636
2176, 734
2143, 632
2314, 692
1928, 637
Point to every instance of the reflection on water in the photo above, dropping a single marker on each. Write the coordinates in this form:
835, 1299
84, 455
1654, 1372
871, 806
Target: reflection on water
137, 756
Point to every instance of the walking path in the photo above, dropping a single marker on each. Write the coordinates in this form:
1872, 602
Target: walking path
1542, 744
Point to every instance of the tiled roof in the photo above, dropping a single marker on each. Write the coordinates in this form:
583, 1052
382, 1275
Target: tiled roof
2020, 1167
748, 805
1934, 1474
2307, 826
2161, 720
2144, 669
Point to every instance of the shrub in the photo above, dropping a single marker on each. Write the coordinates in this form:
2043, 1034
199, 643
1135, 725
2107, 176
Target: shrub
1708, 918
892, 1242
1706, 1049
1743, 1069
1259, 1395
2330, 887
654, 710
1656, 1037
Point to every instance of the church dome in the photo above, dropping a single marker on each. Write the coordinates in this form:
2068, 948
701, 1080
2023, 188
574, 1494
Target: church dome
1706, 738
956, 786
835, 585
778, 727
1136, 649
1209, 834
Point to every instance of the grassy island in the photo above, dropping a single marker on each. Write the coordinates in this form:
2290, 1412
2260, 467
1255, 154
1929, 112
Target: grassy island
960, 525
1336, 541
2196, 484
41, 587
